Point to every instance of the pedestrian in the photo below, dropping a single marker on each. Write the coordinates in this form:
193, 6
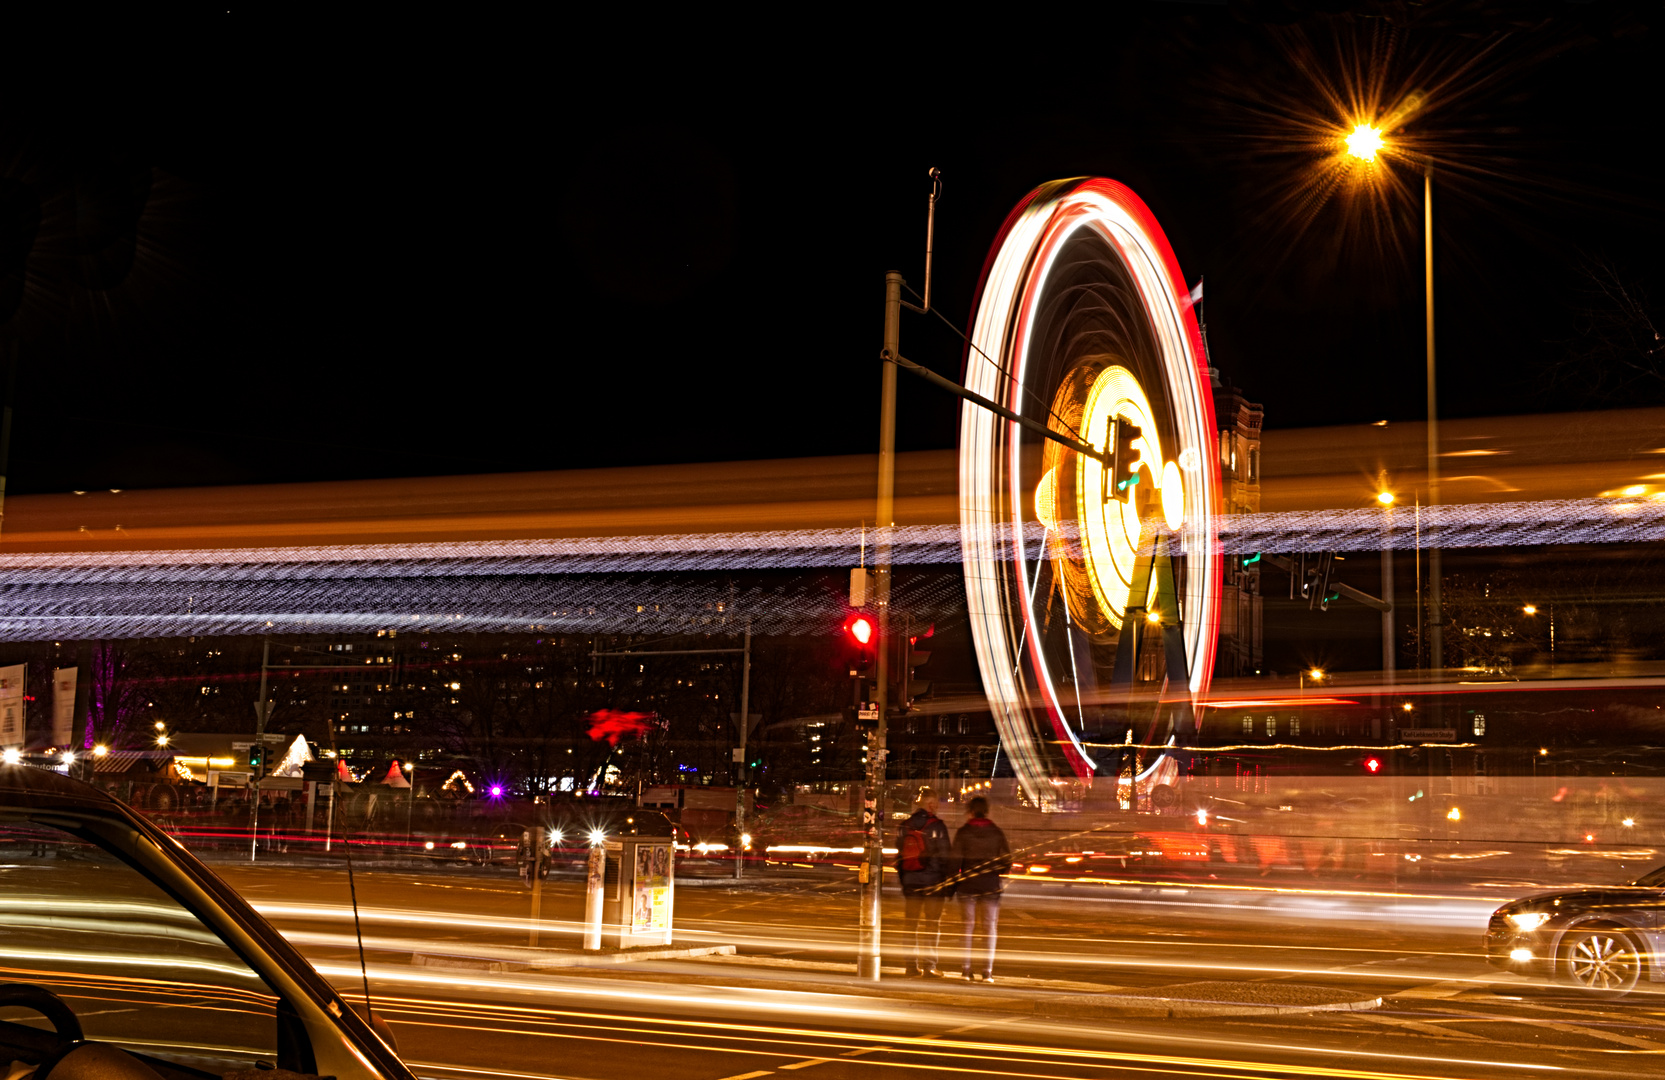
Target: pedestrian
984, 859
924, 861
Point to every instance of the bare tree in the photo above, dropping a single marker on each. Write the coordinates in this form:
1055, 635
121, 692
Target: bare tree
1616, 354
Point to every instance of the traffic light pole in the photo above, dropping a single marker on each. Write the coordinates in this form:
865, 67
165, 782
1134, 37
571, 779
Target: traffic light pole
873, 800
740, 766
261, 710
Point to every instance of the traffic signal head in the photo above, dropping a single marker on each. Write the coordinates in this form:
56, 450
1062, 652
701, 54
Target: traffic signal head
1373, 765
256, 755
915, 687
860, 629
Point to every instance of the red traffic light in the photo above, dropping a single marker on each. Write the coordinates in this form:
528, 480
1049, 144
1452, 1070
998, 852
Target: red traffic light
1372, 765
860, 628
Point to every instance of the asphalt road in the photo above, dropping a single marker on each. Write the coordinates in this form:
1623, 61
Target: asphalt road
447, 962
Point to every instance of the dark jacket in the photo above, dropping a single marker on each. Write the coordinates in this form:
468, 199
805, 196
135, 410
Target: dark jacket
939, 855
983, 855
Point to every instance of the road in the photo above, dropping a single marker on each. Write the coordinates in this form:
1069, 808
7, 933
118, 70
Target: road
447, 961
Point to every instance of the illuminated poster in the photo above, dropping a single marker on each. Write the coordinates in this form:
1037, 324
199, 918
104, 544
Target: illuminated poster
11, 705
63, 705
650, 901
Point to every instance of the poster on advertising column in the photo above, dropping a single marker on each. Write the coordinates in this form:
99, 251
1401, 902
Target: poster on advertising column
11, 705
63, 705
650, 909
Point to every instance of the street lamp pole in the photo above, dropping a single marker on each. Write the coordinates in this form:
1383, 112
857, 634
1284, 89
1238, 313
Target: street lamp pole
1436, 653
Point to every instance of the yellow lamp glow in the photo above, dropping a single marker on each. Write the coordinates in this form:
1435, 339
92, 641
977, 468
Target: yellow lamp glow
1530, 610
1364, 142
1385, 498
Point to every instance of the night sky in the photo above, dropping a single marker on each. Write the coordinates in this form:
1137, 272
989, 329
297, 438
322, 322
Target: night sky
234, 251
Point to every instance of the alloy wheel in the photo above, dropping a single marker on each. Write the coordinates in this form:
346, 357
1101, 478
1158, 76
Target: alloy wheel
1603, 962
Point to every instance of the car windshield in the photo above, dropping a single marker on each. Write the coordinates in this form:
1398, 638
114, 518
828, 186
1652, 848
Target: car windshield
136, 967
1654, 878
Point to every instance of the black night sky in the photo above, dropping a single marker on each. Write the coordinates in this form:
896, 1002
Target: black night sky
235, 251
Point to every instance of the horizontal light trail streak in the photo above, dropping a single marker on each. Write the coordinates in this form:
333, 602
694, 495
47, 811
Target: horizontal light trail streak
936, 1045
1558, 521
642, 583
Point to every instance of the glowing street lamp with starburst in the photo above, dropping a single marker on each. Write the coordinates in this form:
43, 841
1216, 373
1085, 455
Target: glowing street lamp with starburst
1364, 141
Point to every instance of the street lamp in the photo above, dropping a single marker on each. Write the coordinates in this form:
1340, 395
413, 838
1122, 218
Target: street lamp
1531, 610
1363, 143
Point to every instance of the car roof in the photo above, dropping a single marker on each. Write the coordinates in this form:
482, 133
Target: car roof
29, 786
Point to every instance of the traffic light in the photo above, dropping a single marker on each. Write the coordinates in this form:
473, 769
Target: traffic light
1373, 765
257, 756
915, 688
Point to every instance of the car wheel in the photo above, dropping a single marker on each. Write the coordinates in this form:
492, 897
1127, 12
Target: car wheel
1602, 962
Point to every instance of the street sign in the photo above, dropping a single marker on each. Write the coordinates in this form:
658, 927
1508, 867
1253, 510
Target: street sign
867, 712
242, 745
1428, 734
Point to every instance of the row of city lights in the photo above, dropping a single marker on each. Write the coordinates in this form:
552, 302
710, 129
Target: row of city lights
12, 755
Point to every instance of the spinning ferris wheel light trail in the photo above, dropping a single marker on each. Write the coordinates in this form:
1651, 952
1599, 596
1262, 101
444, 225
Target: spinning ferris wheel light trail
1083, 310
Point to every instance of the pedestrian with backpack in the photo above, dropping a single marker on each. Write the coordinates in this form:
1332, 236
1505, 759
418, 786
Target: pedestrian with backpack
924, 858
984, 858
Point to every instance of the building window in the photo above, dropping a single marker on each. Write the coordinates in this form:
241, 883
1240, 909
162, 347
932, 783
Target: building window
1479, 724
1248, 725
1271, 727
1294, 727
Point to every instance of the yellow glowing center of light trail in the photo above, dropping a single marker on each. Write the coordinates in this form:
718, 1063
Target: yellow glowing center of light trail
1109, 515
1364, 142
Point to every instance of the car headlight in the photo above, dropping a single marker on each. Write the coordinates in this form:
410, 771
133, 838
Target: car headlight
1527, 921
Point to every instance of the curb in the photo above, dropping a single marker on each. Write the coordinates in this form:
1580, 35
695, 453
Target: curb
1094, 1007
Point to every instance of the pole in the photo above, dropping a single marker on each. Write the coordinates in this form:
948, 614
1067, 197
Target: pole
260, 711
1389, 653
1436, 650
740, 768
873, 809
539, 843
8, 357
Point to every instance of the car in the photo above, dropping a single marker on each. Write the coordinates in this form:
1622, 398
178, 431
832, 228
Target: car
108, 926
1603, 941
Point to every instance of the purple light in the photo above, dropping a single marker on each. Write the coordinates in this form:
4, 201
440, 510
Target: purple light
497, 791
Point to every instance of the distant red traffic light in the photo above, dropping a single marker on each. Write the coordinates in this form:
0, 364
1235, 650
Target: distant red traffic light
860, 628
1372, 765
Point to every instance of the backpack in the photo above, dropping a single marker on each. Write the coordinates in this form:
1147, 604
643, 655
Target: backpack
910, 856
